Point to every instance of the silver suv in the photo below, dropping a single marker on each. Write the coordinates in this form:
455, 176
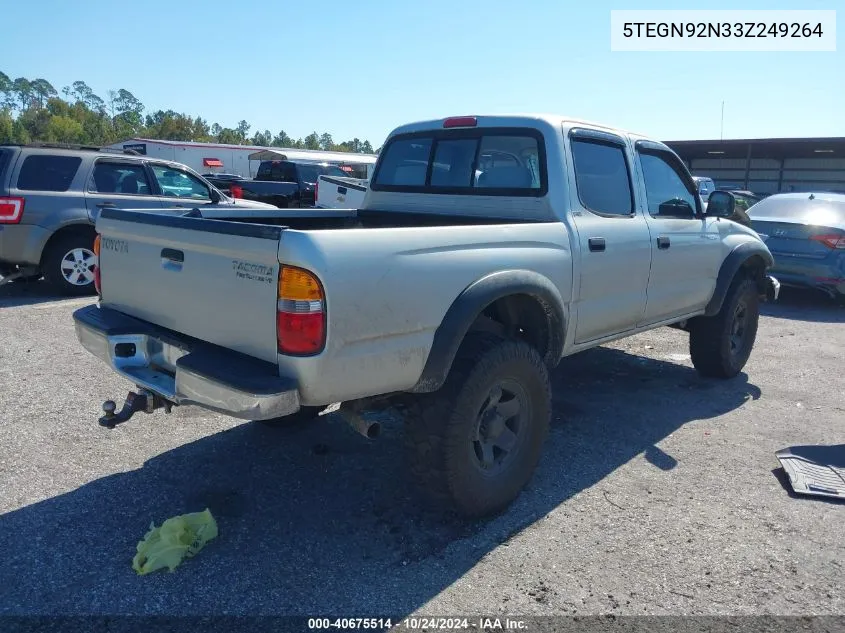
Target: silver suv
50, 197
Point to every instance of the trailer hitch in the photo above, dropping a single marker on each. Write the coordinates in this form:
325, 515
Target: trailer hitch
145, 401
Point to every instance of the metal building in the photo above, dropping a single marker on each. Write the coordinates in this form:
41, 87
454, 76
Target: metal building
769, 165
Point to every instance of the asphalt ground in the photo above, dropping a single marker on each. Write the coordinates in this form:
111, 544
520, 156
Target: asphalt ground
658, 492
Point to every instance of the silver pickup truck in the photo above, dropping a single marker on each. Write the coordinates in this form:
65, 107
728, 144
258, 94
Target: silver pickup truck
487, 248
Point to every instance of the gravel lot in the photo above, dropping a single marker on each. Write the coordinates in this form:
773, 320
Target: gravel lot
656, 494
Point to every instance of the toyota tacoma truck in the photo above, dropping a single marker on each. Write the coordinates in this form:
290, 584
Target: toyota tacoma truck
486, 249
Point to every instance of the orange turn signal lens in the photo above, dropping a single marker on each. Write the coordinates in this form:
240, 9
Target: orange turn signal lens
299, 285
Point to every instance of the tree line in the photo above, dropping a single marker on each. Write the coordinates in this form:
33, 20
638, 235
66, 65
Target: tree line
32, 110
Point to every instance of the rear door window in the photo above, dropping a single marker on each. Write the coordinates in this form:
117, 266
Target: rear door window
484, 161
124, 178
602, 178
46, 172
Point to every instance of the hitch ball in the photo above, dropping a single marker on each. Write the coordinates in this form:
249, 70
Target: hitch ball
109, 408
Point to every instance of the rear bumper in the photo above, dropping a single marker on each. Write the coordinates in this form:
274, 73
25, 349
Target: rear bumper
824, 281
184, 370
21, 244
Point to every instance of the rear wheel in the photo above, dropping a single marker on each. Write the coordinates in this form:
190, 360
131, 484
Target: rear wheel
474, 445
720, 345
68, 264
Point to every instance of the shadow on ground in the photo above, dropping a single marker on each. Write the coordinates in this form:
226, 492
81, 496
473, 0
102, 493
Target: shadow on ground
801, 304
23, 293
319, 521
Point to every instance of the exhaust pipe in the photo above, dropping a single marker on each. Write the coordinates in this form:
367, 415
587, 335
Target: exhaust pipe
368, 428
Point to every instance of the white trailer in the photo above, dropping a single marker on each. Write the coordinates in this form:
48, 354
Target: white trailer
243, 160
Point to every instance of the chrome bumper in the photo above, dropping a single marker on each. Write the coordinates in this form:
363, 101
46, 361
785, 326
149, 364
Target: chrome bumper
183, 370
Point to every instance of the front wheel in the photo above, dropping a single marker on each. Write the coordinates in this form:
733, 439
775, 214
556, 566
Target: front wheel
720, 345
474, 445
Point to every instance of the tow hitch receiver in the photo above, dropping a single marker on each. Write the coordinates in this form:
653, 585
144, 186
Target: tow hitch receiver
145, 401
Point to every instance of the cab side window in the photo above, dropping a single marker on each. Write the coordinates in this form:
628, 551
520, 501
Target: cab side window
121, 178
602, 178
179, 184
666, 189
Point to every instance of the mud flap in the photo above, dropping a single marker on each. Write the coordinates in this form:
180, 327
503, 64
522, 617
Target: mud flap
815, 470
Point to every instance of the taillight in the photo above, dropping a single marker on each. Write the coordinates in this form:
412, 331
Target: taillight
237, 191
300, 316
97, 264
11, 210
831, 240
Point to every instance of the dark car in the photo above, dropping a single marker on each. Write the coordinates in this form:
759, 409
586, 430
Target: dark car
806, 234
285, 183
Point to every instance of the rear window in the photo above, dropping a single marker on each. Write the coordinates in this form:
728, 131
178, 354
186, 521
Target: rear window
310, 173
277, 170
480, 162
43, 172
282, 171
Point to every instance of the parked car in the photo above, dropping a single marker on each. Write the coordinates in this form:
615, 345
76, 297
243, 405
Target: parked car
806, 234
449, 295
50, 197
286, 183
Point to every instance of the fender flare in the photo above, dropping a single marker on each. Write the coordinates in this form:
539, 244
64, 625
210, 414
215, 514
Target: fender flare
735, 260
472, 302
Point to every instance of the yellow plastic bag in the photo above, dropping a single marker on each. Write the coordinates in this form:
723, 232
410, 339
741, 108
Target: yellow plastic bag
177, 538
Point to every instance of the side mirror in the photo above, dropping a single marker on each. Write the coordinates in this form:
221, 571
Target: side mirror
214, 195
721, 204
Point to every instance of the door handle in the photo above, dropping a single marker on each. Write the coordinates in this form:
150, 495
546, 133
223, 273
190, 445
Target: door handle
102, 205
172, 259
597, 244
663, 242
173, 255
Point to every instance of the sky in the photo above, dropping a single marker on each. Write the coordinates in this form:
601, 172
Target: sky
359, 68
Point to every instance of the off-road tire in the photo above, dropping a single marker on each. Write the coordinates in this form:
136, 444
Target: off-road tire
51, 264
303, 417
439, 428
710, 342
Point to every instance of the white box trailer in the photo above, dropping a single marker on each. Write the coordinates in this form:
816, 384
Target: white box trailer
243, 160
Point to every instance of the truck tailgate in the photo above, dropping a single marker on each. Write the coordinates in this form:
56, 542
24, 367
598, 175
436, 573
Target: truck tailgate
211, 279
